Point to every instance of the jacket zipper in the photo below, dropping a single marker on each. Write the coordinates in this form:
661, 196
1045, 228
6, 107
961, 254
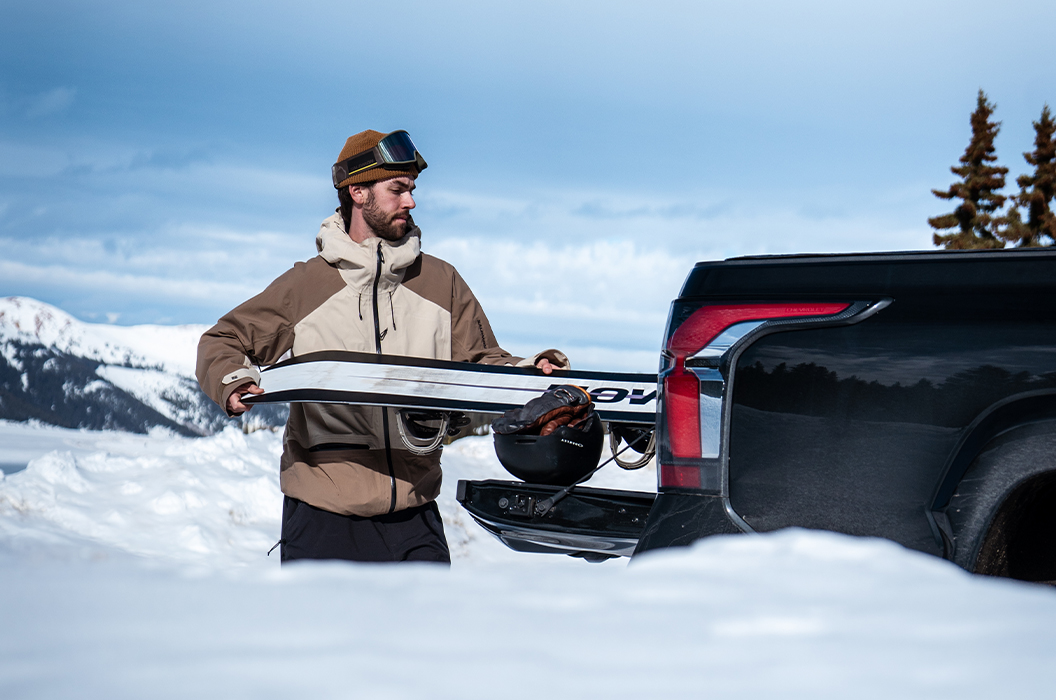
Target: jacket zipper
384, 411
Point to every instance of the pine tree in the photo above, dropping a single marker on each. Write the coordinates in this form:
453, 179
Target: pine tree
977, 190
1036, 191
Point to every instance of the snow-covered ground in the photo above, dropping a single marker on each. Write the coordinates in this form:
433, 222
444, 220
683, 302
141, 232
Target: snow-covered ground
210, 502
134, 566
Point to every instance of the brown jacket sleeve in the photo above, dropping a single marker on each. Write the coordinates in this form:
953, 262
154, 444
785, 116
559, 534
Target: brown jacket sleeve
260, 331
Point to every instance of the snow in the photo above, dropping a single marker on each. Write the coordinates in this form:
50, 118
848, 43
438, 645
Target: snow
209, 502
22, 442
134, 566
169, 394
159, 496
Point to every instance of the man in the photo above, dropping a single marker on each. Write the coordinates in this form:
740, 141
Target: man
350, 489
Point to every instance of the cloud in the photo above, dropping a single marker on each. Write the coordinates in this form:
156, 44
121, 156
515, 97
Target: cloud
141, 287
90, 189
182, 273
706, 224
21, 160
49, 103
604, 303
547, 273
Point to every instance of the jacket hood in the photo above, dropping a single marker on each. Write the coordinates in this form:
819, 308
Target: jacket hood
358, 261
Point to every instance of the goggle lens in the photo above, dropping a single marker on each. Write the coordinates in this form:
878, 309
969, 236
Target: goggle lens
396, 148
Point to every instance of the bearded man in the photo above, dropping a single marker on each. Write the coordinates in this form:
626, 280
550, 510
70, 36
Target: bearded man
350, 490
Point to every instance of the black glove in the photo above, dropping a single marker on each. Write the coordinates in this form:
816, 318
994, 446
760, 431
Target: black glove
562, 405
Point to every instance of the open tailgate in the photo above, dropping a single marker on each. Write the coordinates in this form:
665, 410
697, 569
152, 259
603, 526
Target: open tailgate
592, 523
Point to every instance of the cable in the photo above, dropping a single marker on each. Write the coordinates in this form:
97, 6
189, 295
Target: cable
419, 448
650, 451
543, 507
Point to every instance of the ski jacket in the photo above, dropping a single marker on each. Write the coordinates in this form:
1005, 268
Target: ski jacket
376, 296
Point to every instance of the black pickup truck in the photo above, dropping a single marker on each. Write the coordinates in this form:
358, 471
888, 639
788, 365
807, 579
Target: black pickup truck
910, 396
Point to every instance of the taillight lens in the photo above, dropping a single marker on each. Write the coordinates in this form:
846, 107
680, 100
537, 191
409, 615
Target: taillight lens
706, 323
682, 404
683, 461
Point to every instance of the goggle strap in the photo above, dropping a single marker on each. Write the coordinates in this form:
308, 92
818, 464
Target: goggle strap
360, 162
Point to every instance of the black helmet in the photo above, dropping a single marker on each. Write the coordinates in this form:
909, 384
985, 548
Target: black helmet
569, 448
561, 458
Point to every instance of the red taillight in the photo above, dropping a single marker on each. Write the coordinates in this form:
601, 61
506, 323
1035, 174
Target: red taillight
680, 438
708, 322
679, 477
682, 405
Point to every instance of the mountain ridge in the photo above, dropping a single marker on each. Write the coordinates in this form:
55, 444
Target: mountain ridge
62, 371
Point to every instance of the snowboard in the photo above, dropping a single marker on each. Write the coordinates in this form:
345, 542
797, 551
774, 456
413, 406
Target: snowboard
411, 382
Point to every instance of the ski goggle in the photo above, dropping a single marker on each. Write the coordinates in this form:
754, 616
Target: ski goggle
395, 151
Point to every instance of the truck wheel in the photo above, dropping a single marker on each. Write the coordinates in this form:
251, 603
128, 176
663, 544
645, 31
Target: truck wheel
1021, 540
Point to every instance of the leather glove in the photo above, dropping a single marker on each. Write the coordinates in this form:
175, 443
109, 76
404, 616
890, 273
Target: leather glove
562, 405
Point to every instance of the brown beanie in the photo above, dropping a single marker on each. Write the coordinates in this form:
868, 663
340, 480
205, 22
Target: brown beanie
364, 141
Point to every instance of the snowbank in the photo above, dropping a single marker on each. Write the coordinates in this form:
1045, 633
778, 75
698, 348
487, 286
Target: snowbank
210, 502
133, 566
794, 615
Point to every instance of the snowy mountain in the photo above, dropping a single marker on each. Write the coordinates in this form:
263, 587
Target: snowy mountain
61, 371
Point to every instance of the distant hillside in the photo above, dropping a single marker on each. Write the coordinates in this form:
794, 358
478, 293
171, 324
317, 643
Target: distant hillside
61, 371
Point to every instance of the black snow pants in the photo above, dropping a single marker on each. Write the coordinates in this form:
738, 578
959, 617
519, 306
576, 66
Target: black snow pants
414, 534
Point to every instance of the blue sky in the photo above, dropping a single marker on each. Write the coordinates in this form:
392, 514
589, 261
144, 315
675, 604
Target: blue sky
159, 163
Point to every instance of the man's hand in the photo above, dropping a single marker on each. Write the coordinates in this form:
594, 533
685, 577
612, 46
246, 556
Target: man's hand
234, 401
544, 364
